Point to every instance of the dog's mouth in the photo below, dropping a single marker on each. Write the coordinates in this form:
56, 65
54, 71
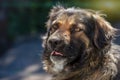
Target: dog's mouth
63, 54
57, 56
56, 53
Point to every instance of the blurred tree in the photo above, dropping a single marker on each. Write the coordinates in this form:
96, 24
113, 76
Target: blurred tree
29, 16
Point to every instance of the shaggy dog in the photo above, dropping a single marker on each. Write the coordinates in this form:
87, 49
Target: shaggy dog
78, 46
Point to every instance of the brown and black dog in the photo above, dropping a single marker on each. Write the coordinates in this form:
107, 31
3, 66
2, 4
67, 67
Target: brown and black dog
78, 46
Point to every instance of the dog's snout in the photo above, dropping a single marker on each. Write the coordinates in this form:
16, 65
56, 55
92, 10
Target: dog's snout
55, 42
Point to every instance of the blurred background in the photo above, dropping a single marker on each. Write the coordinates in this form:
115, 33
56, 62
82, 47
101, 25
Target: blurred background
22, 22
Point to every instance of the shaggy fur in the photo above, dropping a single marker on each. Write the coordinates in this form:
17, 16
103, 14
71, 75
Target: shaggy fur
78, 46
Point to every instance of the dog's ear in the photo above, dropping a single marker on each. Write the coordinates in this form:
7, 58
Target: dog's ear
52, 15
55, 10
103, 32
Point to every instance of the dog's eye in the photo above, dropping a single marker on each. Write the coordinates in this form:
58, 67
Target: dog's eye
75, 28
55, 26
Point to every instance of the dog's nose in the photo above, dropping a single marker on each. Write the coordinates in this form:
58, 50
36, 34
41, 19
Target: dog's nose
55, 42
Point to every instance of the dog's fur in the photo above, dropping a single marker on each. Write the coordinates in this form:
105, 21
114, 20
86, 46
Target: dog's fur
78, 46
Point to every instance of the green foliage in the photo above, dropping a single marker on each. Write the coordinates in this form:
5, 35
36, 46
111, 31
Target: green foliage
29, 16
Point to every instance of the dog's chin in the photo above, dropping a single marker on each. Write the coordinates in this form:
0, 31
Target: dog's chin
59, 61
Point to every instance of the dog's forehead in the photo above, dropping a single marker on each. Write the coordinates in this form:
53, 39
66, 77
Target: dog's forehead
72, 16
66, 17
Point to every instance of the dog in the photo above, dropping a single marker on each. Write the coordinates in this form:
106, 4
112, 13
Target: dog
79, 45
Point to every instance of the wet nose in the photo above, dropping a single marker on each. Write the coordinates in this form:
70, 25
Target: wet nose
55, 42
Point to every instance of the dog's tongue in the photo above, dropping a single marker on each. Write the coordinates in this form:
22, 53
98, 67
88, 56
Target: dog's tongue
56, 53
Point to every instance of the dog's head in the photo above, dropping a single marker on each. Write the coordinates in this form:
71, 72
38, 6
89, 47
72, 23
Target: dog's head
71, 32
